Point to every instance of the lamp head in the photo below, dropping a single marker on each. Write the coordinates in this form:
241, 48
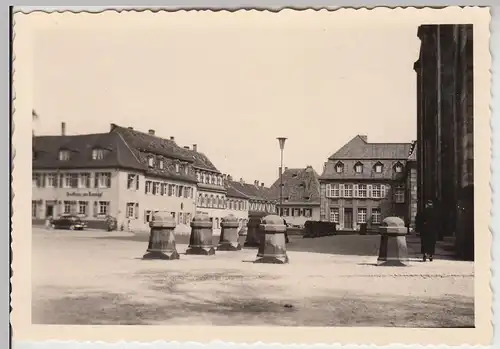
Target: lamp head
282, 142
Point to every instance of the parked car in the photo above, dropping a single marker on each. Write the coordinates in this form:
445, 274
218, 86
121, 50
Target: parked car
69, 222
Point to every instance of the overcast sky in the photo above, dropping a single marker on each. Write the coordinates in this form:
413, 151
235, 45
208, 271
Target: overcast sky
233, 83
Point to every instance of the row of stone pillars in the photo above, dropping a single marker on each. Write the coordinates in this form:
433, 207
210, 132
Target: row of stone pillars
268, 234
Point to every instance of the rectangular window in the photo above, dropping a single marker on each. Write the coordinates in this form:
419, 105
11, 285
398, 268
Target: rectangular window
69, 207
334, 190
64, 155
348, 190
103, 208
399, 196
34, 209
286, 212
164, 187
83, 207
130, 211
147, 188
171, 189
186, 192
36, 180
51, 180
361, 215
376, 191
102, 180
181, 215
296, 212
307, 212
376, 216
97, 154
362, 189
156, 188
132, 181
334, 214
179, 191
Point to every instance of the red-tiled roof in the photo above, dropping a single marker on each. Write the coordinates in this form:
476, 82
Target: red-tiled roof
358, 148
300, 185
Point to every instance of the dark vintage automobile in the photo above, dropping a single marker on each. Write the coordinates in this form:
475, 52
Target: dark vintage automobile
69, 222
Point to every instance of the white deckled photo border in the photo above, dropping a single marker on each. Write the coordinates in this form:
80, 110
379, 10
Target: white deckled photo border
25, 334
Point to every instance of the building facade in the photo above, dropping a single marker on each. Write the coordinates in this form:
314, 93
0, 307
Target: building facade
362, 183
301, 195
445, 129
412, 186
124, 173
261, 199
130, 175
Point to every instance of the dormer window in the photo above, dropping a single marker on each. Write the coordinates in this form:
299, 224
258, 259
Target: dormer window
64, 155
151, 161
97, 154
162, 164
398, 168
339, 167
378, 167
186, 170
358, 168
177, 168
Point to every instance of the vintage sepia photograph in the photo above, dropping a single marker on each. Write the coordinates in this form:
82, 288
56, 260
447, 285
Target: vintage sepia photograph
312, 169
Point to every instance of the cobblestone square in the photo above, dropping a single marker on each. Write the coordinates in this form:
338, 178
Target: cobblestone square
94, 277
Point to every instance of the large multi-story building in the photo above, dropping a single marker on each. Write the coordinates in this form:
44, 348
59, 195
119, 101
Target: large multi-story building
363, 183
123, 173
300, 193
445, 129
130, 175
261, 199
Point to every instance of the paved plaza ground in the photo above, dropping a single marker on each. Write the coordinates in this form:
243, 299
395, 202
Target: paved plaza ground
96, 277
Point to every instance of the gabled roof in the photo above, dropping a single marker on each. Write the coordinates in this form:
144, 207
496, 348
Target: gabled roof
119, 155
233, 192
300, 185
359, 148
201, 161
251, 191
144, 142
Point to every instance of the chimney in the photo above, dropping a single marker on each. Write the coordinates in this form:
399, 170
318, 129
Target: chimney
172, 138
224, 177
195, 147
63, 129
256, 183
242, 181
364, 137
130, 128
151, 132
262, 185
186, 147
229, 177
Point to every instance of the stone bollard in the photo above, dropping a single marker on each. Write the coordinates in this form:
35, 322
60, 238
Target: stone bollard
252, 239
162, 239
229, 234
393, 250
272, 247
200, 241
242, 235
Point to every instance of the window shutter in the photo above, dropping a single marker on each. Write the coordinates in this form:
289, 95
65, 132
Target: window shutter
108, 180
95, 208
355, 191
136, 211
369, 191
56, 181
61, 181
145, 216
327, 189
96, 180
341, 191
383, 191
137, 182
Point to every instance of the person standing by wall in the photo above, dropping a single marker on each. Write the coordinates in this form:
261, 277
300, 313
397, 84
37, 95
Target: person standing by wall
427, 225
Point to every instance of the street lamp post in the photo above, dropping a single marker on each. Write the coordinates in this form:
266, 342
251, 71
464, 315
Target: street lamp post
282, 146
